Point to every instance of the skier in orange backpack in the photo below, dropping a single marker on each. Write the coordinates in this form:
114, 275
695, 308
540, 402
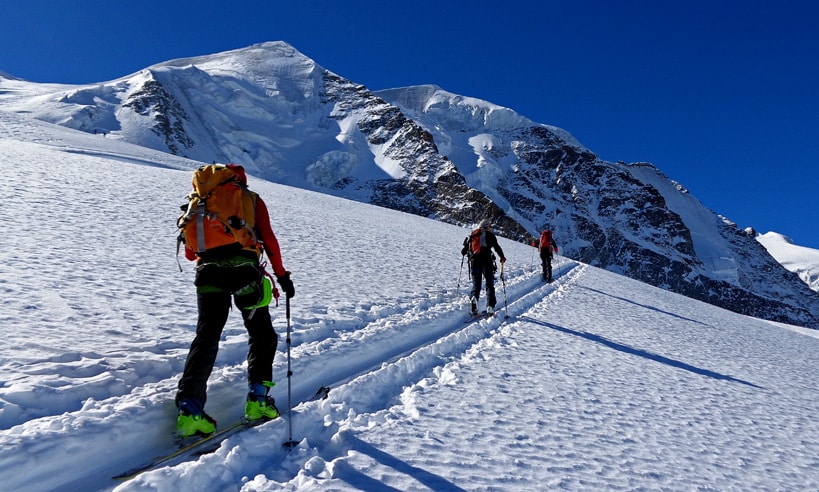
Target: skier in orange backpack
229, 268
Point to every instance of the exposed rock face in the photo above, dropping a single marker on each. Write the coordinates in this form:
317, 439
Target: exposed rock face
630, 219
429, 184
153, 101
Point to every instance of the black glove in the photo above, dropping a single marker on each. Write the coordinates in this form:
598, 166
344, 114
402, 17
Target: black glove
287, 284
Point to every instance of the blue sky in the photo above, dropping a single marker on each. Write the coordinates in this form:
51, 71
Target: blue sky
722, 96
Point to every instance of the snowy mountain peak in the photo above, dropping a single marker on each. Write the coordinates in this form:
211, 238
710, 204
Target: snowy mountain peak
800, 260
453, 111
274, 66
772, 237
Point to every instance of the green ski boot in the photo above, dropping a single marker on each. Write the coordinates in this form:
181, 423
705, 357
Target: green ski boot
193, 421
258, 404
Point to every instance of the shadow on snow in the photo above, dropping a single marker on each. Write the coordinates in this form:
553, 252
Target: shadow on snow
652, 308
358, 479
642, 353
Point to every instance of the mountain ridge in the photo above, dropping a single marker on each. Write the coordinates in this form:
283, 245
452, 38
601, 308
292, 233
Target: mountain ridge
432, 153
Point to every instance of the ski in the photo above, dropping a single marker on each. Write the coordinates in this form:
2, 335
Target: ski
484, 315
197, 447
479, 316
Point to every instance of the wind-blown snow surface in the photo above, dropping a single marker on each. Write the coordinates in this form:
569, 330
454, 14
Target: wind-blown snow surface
593, 382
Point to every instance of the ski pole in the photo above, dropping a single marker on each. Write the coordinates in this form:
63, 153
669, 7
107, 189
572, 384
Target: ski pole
532, 263
458, 292
503, 282
290, 442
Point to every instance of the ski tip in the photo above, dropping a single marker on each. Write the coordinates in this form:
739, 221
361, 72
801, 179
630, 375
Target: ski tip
323, 392
128, 475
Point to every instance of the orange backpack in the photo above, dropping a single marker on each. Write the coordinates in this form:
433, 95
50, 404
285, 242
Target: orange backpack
546, 240
475, 241
221, 211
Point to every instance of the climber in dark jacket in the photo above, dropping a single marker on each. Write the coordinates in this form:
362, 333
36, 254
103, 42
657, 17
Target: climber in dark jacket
479, 246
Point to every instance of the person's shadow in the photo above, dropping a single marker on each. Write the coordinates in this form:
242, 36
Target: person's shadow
642, 353
344, 471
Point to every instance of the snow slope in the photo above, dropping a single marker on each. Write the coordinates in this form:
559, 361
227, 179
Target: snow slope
594, 381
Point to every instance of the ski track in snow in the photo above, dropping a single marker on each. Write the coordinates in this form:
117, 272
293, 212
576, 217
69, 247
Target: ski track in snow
372, 368
621, 433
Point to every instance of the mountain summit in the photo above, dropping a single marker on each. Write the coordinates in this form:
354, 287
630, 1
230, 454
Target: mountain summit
429, 152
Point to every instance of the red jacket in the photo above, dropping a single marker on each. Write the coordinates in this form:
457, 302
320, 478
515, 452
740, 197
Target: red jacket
268, 238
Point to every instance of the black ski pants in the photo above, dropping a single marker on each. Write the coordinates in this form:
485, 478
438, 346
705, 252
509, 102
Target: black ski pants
214, 308
546, 262
479, 272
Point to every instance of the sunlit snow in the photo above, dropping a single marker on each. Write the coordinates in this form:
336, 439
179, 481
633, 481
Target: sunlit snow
593, 382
